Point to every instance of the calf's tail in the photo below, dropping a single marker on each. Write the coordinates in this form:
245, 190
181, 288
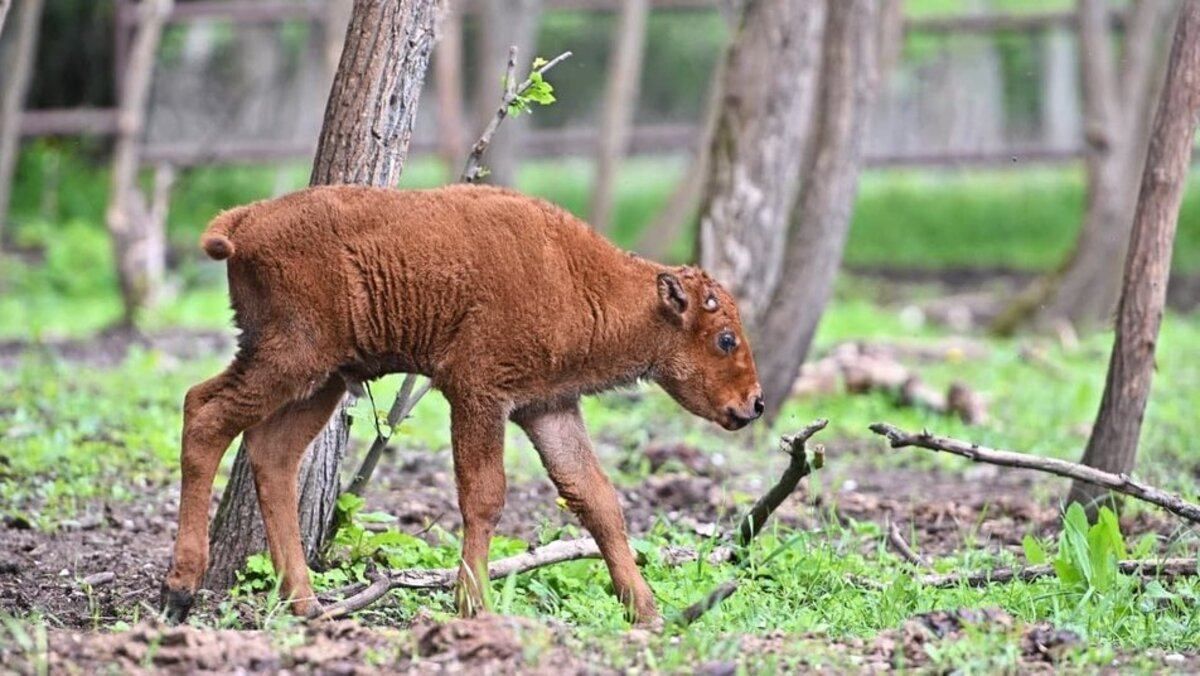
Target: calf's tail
217, 240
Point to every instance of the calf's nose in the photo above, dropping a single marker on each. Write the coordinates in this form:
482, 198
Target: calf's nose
759, 406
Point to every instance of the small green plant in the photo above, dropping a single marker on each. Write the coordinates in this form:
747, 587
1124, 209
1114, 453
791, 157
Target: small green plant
1088, 554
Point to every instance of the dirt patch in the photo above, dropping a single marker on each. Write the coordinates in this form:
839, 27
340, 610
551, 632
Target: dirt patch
485, 645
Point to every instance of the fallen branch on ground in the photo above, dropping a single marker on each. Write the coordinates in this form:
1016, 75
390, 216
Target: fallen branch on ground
1121, 483
586, 548
1184, 567
903, 548
868, 367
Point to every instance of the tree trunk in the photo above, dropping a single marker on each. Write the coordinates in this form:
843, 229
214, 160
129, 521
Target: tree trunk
15, 87
4, 6
364, 140
448, 65
1117, 104
503, 23
680, 209
769, 81
620, 104
1113, 443
137, 230
849, 81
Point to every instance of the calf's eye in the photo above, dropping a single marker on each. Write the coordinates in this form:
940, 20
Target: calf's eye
726, 341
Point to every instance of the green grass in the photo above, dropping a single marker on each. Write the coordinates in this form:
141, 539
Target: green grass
76, 436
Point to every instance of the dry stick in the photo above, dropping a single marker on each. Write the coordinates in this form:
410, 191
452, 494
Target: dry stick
581, 548
406, 399
903, 548
474, 167
753, 523
1163, 568
1121, 483
796, 470
444, 578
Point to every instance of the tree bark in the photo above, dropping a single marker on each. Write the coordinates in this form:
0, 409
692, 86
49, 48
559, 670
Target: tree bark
1117, 105
503, 23
768, 85
364, 140
849, 81
1114, 440
15, 87
448, 65
620, 105
137, 230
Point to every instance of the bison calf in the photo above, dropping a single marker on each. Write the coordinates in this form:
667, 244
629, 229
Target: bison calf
514, 309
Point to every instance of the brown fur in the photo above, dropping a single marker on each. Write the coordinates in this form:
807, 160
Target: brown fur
511, 305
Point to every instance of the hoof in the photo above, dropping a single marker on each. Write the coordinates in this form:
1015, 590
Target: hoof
176, 604
313, 611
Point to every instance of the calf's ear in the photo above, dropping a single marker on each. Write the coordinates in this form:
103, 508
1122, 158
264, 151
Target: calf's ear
671, 292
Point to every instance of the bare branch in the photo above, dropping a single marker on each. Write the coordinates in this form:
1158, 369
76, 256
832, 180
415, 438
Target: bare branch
474, 167
1160, 568
1121, 483
903, 548
797, 469
714, 598
406, 400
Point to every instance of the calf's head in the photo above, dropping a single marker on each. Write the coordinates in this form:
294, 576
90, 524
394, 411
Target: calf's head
706, 364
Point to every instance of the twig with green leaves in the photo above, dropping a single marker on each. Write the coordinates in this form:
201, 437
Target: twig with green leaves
516, 100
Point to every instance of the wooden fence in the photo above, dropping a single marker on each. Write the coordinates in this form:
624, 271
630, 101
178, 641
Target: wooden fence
646, 139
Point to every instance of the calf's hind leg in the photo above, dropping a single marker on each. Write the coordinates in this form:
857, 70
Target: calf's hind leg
561, 440
214, 412
276, 446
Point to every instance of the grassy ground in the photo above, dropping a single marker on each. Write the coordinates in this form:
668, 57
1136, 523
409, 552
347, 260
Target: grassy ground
820, 589
78, 437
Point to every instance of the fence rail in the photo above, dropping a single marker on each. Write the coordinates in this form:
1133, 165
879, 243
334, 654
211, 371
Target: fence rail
646, 139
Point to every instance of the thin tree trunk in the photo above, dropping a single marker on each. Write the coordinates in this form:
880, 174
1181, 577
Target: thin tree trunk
620, 104
681, 207
368, 124
1114, 440
849, 81
503, 23
1117, 105
15, 87
138, 237
448, 65
4, 6
769, 81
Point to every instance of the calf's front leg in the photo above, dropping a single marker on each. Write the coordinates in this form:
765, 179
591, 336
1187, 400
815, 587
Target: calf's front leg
477, 431
561, 440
